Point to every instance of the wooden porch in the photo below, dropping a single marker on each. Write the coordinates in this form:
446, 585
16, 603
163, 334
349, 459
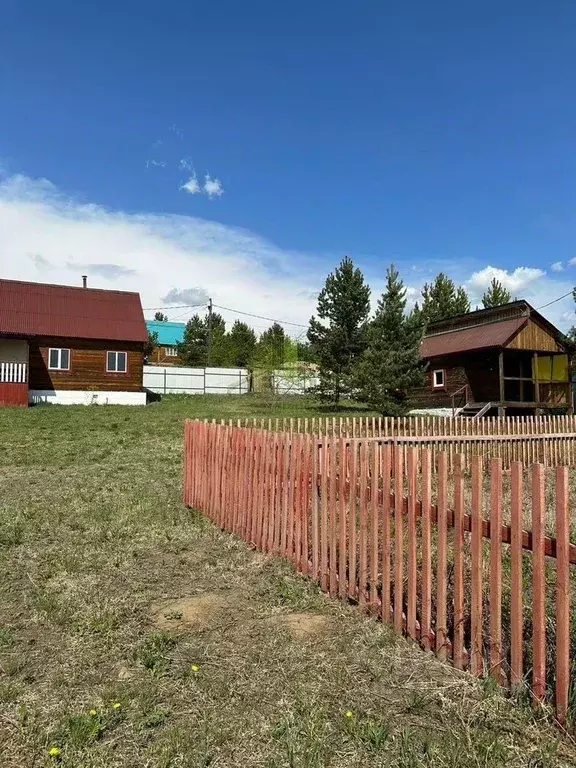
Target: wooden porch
13, 384
518, 380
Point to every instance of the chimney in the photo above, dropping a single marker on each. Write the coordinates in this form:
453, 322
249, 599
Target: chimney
84, 281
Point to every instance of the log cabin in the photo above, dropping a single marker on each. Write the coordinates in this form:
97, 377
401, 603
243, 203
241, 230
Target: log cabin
70, 345
169, 335
507, 360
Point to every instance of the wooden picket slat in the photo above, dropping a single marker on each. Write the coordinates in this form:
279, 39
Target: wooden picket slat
333, 516
426, 548
325, 448
398, 539
374, 526
412, 468
352, 522
562, 595
342, 528
386, 573
458, 640
538, 585
477, 666
516, 673
363, 520
441, 575
496, 569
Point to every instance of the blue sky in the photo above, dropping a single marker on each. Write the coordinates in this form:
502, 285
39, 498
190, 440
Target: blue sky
438, 136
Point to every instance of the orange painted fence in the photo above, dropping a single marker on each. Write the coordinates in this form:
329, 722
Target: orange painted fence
550, 440
380, 524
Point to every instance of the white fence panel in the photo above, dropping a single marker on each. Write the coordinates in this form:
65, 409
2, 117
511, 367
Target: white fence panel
196, 381
286, 382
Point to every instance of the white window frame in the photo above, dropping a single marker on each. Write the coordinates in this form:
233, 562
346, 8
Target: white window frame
171, 351
435, 384
115, 370
58, 367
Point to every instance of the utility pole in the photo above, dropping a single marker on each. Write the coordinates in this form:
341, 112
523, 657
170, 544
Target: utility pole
209, 344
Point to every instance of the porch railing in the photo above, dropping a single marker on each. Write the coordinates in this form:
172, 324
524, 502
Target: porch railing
13, 373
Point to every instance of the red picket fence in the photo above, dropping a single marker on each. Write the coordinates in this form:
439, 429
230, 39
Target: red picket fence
384, 526
550, 440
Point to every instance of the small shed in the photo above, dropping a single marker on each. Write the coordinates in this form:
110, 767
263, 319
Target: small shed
508, 359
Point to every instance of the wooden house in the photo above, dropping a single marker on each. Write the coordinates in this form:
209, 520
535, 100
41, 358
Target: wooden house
506, 360
65, 345
169, 335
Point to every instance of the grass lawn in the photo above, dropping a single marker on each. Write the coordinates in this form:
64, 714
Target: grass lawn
133, 633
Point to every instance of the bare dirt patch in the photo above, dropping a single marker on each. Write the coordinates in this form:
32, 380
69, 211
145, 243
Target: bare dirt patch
194, 612
303, 625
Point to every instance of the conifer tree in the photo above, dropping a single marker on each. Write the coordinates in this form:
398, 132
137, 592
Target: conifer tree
496, 295
339, 334
391, 364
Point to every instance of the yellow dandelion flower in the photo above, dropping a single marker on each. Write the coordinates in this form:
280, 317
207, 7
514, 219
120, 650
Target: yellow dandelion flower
349, 714
93, 712
116, 705
194, 668
55, 752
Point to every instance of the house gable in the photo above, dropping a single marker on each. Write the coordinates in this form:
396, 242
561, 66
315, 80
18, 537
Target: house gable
534, 337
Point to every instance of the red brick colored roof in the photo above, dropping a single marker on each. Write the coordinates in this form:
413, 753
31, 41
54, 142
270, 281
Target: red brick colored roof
478, 337
37, 309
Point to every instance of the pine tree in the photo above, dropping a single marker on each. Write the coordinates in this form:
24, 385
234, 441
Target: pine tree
496, 295
193, 347
441, 299
193, 350
160, 317
272, 348
242, 345
340, 340
391, 364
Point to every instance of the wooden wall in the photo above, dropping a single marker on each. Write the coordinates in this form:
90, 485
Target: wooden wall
87, 366
534, 337
159, 357
426, 396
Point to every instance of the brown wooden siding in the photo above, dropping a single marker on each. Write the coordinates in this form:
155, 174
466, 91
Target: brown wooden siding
427, 396
87, 366
159, 357
534, 337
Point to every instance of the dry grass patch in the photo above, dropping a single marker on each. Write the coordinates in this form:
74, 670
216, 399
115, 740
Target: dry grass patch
98, 559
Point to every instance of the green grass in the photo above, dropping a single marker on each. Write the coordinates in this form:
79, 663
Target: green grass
132, 632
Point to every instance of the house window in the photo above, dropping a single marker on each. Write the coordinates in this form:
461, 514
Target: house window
116, 362
439, 379
59, 359
171, 351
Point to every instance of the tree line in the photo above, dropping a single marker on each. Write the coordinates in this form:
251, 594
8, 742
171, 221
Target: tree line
371, 359
207, 342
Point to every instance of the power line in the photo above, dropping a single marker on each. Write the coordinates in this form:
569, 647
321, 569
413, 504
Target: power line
261, 317
555, 300
178, 306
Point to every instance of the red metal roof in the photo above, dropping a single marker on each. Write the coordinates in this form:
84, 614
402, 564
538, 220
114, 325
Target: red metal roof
37, 309
477, 337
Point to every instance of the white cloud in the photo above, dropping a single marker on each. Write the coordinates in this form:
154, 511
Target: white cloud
191, 296
514, 281
558, 266
234, 266
572, 261
212, 187
186, 164
192, 186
